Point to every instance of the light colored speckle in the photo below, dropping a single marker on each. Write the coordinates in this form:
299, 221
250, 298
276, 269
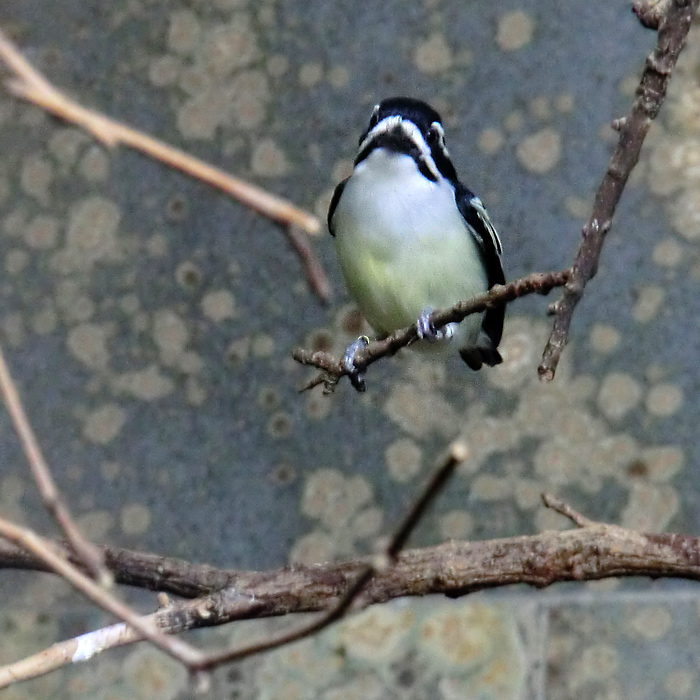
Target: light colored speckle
268, 159
13, 330
195, 392
367, 523
540, 107
229, 47
164, 70
540, 152
420, 412
339, 77
650, 507
94, 165
433, 55
170, 335
312, 548
487, 487
36, 177
87, 342
456, 525
595, 663
578, 207
564, 103
200, 116
332, 498
685, 214
310, 74
45, 321
514, 121
42, 232
16, 261
92, 229
681, 682
238, 351
648, 303
135, 519
97, 524
277, 65
664, 399
145, 384
65, 145
157, 245
403, 459
219, 306
151, 674
317, 406
379, 633
619, 394
604, 339
668, 253
650, 622
280, 425
490, 141
520, 352
104, 424
662, 463
263, 345
184, 32
515, 30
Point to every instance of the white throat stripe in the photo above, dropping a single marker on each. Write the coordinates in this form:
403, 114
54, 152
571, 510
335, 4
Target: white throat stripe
410, 130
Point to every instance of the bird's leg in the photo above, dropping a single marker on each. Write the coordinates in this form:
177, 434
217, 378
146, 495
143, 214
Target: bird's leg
356, 377
427, 331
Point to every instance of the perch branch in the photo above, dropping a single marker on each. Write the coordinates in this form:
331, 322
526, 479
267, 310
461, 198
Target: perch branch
672, 19
333, 370
591, 551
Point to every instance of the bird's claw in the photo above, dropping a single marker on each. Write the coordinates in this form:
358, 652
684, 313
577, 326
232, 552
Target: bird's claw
356, 376
425, 329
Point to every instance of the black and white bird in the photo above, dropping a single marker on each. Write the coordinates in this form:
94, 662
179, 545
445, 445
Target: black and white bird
411, 237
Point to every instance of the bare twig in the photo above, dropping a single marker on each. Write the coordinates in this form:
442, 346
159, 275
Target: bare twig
32, 86
457, 453
589, 552
536, 283
563, 508
43, 549
87, 553
672, 18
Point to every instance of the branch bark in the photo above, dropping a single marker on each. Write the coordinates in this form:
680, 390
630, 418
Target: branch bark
333, 370
590, 552
672, 19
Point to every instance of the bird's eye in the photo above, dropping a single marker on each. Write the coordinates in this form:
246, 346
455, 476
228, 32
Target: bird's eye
432, 137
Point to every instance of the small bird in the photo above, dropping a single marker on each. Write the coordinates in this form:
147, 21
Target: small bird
411, 237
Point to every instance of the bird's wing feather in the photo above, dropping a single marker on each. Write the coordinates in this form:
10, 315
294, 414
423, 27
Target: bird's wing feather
334, 203
480, 226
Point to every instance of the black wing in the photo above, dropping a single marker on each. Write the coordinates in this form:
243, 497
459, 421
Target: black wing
474, 213
334, 203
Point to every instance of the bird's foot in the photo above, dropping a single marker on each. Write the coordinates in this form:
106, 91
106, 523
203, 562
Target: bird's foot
356, 376
426, 329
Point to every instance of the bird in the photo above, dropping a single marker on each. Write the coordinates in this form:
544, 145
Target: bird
410, 237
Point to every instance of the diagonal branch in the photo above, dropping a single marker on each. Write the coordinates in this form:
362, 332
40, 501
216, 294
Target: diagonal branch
32, 86
672, 18
333, 369
86, 552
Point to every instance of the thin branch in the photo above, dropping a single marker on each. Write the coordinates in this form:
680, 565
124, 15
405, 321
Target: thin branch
87, 553
43, 549
457, 453
32, 86
536, 283
563, 508
590, 552
672, 18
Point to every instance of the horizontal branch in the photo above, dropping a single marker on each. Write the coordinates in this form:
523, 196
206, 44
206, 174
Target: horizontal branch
590, 552
536, 283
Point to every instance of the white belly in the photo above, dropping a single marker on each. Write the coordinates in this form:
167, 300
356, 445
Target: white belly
403, 245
